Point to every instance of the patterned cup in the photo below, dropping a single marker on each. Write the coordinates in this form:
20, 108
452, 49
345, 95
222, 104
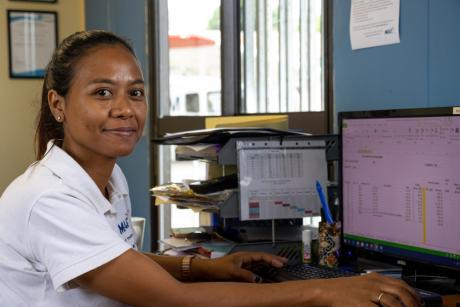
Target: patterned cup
329, 244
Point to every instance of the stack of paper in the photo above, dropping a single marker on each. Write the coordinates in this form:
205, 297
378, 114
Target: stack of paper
192, 152
180, 194
180, 245
208, 249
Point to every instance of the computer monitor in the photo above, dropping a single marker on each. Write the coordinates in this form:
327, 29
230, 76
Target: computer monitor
400, 186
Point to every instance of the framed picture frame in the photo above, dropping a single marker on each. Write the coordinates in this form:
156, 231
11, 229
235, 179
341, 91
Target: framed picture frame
32, 38
44, 1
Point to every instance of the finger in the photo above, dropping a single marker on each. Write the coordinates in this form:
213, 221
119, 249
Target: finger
411, 290
283, 260
248, 276
278, 263
274, 260
401, 295
388, 300
402, 290
397, 289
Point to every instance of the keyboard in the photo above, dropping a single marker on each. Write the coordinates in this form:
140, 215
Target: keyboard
305, 271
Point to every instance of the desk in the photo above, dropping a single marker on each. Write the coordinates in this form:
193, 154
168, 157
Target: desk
450, 300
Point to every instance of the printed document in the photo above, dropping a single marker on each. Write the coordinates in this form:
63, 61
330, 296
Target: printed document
374, 23
278, 181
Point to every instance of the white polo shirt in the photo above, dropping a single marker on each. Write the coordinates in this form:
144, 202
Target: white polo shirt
55, 225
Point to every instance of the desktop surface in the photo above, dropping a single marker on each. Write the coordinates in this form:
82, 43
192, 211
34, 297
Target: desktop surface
451, 300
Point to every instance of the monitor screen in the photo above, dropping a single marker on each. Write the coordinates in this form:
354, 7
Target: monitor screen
400, 184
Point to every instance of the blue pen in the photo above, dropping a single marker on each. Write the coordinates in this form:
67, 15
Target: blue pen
322, 198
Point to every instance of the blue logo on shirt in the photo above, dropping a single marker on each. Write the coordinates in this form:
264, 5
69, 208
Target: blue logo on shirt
123, 226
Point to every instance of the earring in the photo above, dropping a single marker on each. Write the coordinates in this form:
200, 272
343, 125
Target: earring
59, 118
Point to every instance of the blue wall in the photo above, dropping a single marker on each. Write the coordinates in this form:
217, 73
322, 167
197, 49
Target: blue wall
118, 16
421, 71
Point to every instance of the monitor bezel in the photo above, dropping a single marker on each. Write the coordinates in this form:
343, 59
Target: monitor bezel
409, 264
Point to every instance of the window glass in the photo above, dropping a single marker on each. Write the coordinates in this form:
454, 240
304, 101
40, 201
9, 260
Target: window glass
194, 57
192, 103
282, 52
214, 99
181, 170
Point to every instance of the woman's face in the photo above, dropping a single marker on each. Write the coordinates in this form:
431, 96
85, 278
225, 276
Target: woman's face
105, 107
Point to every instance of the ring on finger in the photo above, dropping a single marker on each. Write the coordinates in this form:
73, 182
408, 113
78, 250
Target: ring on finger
379, 298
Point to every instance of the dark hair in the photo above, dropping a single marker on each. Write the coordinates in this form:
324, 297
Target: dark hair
59, 75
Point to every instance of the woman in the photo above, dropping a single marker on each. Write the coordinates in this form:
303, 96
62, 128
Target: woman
65, 232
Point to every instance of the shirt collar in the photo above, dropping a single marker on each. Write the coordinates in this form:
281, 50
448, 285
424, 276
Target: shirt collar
76, 178
115, 195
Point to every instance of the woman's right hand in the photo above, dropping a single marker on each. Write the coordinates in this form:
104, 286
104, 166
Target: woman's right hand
368, 290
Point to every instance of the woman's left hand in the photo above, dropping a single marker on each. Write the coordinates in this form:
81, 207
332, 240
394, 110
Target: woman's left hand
237, 266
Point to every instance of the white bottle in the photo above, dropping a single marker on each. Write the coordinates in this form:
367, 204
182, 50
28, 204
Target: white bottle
306, 240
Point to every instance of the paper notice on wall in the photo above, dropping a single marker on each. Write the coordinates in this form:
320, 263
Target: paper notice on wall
374, 23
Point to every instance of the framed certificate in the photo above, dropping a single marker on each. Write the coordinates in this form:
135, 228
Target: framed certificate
32, 38
44, 1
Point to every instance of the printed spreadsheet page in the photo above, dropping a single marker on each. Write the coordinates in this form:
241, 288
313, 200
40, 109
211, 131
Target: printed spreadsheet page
277, 180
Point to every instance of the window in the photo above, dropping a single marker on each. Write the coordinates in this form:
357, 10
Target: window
214, 101
192, 103
282, 52
188, 72
232, 57
194, 56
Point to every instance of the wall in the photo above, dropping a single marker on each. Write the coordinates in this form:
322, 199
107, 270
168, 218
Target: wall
127, 19
20, 98
421, 71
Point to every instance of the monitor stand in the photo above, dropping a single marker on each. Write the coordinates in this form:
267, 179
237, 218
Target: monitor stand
364, 265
